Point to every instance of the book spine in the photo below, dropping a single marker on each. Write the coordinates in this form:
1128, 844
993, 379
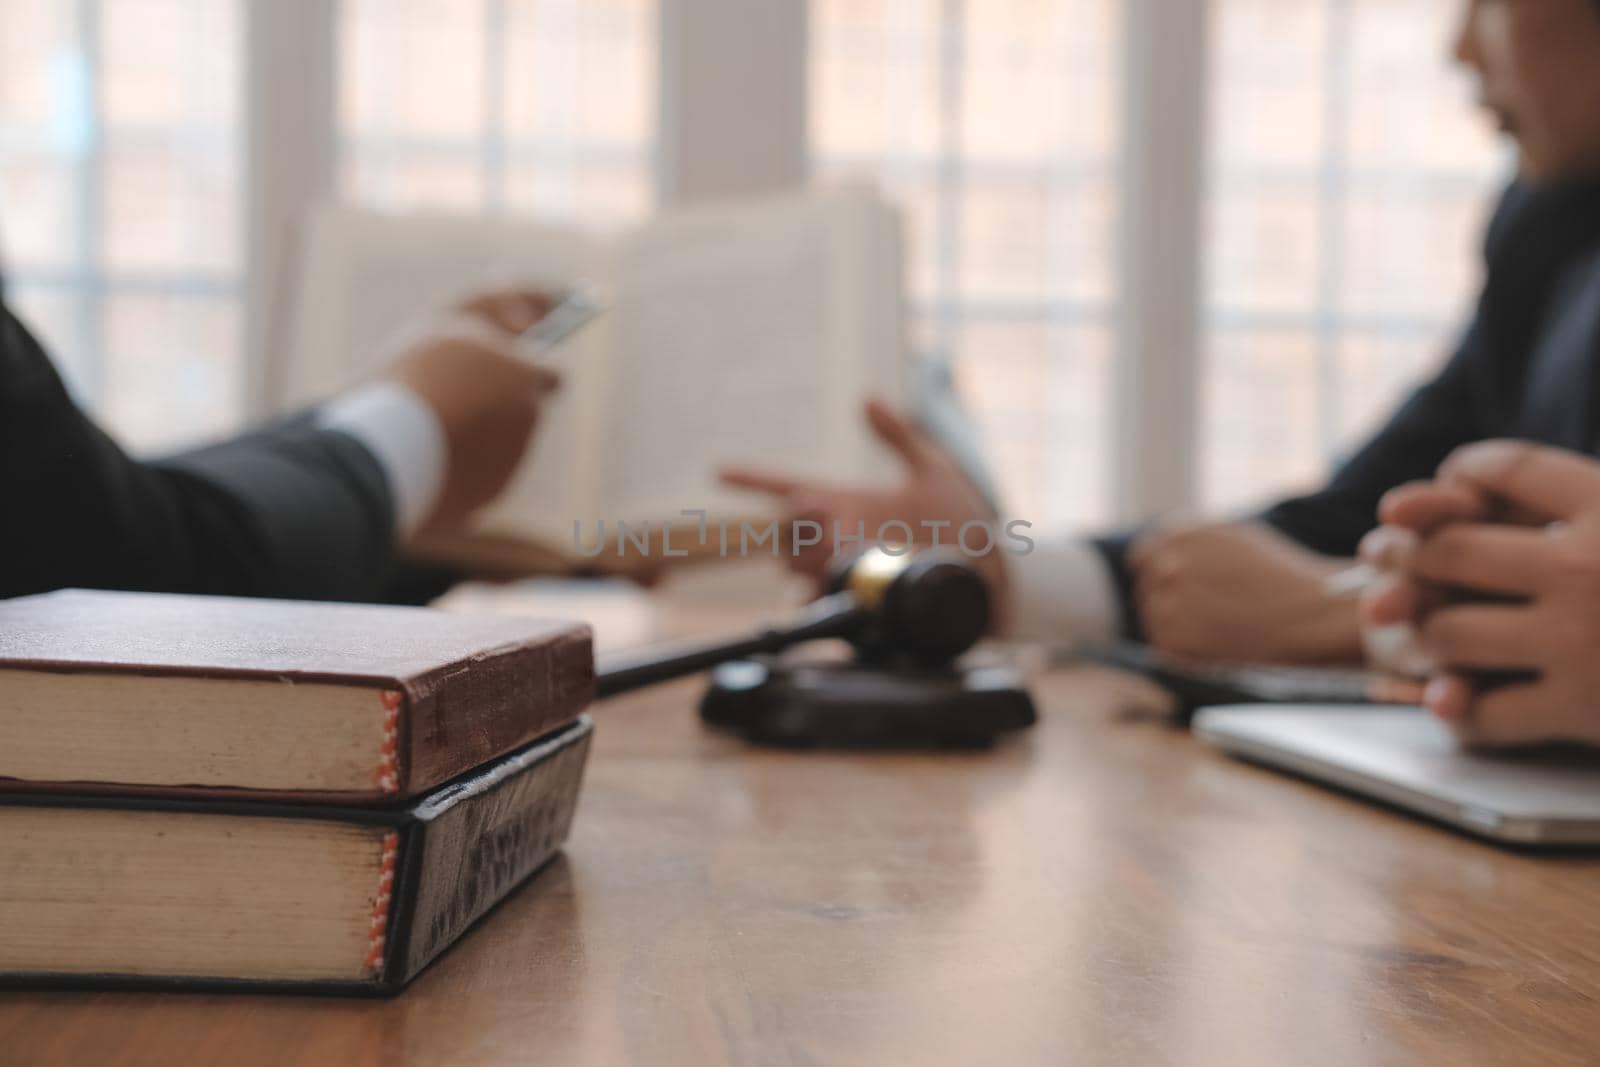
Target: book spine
475, 712
465, 859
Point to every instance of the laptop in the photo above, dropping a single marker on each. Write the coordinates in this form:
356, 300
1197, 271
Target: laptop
1197, 685
1404, 757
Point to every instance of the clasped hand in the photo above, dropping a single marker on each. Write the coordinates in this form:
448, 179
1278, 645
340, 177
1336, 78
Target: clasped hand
1496, 565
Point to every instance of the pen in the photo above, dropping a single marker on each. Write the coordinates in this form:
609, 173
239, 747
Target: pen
576, 309
1352, 581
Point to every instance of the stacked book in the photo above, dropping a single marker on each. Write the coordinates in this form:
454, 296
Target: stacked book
218, 791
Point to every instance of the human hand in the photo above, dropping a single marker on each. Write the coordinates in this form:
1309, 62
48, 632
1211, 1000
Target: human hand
1392, 605
1518, 524
934, 489
1240, 591
487, 398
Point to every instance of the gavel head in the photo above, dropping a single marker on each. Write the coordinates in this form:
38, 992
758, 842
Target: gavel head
929, 606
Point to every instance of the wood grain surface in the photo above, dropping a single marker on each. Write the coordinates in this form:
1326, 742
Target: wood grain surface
1103, 890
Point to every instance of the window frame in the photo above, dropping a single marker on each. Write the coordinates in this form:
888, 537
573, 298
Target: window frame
741, 66
90, 279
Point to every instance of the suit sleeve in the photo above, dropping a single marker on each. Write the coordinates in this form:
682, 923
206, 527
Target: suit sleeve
1459, 405
291, 511
1438, 418
1455, 408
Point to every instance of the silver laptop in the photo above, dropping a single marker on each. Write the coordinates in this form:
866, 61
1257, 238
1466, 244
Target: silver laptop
1403, 756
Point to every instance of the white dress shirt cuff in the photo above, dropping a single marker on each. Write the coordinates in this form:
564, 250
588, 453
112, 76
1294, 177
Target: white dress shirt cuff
1062, 592
401, 431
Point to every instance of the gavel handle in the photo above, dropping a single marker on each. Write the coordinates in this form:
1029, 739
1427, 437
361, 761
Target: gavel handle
837, 615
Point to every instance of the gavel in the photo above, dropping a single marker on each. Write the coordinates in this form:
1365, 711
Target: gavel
922, 610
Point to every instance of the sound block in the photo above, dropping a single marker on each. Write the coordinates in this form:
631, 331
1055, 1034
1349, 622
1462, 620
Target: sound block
852, 705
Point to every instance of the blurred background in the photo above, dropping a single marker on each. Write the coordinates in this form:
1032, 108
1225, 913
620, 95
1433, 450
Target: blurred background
1180, 252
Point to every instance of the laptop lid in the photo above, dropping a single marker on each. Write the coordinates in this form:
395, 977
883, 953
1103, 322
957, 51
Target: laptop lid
1404, 757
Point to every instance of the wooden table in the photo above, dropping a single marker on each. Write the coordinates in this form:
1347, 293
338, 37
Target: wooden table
1103, 890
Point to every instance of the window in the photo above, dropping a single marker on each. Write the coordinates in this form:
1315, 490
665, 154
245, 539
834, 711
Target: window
536, 106
1348, 180
120, 179
996, 125
1349, 184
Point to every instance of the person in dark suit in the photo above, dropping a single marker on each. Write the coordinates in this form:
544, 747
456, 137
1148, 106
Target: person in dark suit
1527, 366
310, 507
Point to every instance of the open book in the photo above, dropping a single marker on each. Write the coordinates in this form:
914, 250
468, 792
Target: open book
745, 332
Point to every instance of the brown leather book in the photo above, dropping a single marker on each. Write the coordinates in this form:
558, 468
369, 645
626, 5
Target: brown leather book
299, 702
155, 892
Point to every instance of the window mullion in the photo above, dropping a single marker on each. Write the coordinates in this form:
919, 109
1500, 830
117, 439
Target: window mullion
1159, 380
91, 303
496, 40
1331, 196
732, 100
949, 185
290, 109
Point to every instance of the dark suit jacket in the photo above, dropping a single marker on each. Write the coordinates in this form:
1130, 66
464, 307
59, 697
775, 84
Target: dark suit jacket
1528, 367
289, 511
